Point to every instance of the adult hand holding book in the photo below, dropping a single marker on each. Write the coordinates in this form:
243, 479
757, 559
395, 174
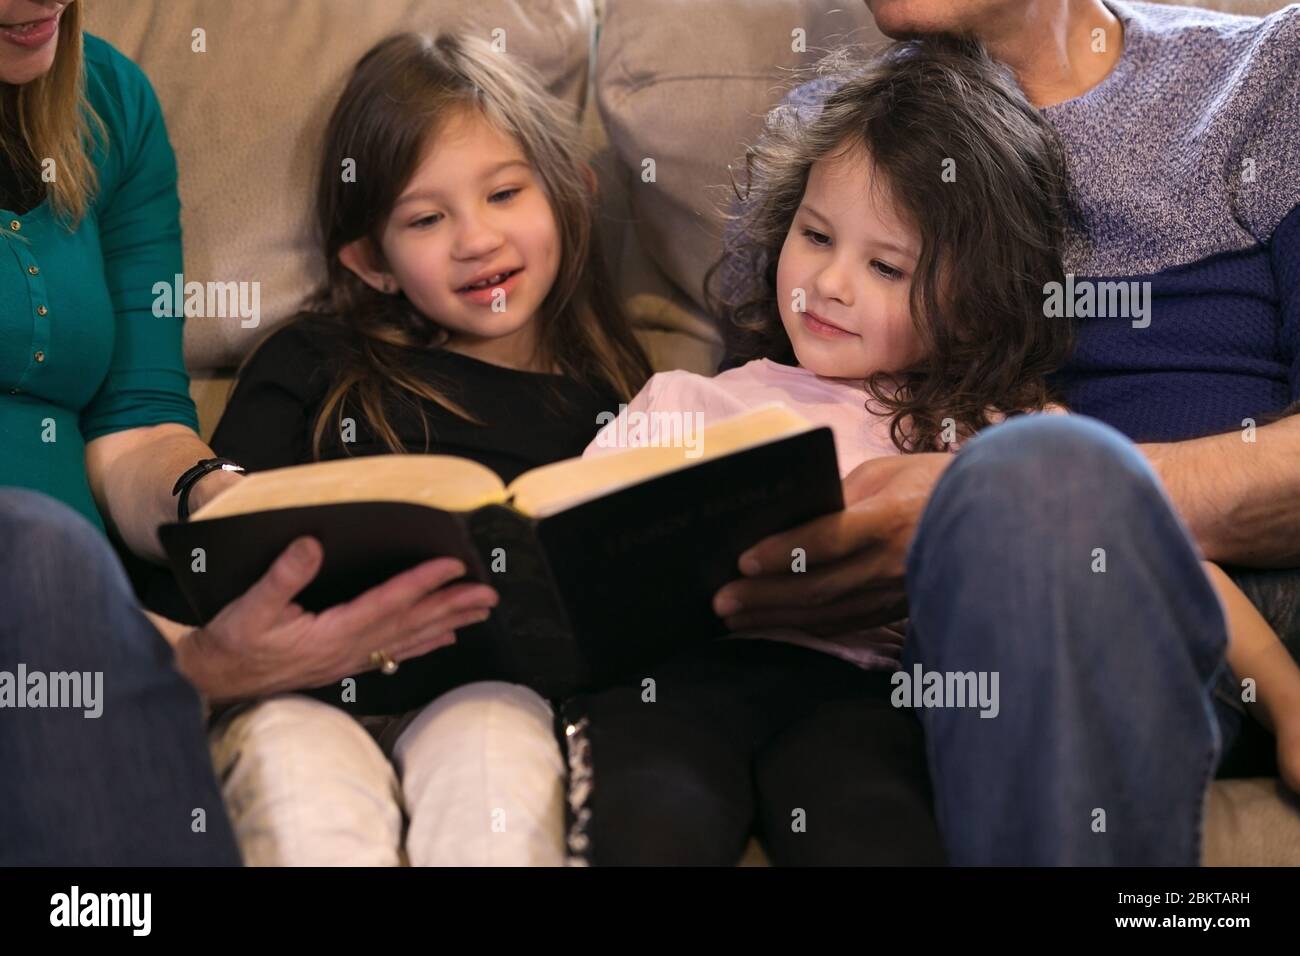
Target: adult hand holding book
856, 558
262, 642
604, 565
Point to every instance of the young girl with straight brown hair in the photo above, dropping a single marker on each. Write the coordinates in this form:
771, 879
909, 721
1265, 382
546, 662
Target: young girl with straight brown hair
464, 311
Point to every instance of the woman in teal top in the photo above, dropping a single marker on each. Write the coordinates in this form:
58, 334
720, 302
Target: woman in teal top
84, 355
96, 427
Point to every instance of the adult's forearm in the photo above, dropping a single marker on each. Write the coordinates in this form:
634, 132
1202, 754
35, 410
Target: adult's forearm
133, 474
1240, 499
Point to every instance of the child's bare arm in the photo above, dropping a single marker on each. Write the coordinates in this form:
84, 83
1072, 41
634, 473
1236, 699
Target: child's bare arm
1256, 652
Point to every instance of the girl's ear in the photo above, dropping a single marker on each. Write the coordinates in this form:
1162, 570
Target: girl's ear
359, 258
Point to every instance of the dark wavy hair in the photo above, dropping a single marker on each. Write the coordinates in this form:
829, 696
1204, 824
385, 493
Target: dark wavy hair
990, 240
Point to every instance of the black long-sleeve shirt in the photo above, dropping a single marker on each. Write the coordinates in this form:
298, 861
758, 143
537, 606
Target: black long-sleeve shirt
529, 418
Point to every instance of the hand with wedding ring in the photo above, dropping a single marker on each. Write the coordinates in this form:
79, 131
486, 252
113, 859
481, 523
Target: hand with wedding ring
263, 643
387, 666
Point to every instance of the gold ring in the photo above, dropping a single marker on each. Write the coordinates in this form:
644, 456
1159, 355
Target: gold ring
387, 666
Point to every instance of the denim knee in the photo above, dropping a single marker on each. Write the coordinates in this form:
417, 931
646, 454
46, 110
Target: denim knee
34, 525
1040, 505
55, 564
1018, 454
1057, 466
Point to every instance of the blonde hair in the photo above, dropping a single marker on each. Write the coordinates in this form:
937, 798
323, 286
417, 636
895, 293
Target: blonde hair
401, 94
55, 122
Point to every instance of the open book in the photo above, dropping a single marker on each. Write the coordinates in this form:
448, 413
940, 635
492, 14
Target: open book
604, 565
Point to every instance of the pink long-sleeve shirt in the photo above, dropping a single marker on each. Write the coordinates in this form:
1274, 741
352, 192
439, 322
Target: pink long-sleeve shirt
859, 436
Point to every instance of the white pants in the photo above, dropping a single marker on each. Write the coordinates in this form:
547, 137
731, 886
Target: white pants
475, 778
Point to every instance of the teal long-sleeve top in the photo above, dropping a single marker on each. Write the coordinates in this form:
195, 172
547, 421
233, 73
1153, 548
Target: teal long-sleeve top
82, 353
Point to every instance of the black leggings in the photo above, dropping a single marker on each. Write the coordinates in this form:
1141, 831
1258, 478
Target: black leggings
748, 735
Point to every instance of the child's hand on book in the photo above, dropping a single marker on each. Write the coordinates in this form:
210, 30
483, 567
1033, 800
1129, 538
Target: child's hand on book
855, 561
263, 643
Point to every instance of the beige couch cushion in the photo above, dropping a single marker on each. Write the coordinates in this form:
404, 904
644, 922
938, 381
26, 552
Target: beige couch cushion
1251, 823
246, 117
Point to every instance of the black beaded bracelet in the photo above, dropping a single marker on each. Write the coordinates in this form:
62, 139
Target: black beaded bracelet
187, 481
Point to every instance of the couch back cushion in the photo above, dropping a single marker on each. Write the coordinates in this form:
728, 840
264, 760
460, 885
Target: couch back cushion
246, 119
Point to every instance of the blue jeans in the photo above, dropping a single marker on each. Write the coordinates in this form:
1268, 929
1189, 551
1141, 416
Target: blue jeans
1107, 735
132, 786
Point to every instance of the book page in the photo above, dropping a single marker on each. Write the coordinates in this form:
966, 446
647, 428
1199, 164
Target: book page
438, 481
553, 488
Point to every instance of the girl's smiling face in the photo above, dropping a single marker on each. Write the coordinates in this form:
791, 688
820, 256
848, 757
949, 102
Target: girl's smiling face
474, 210
845, 273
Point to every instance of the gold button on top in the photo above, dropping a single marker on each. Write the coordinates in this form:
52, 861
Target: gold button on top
41, 310
33, 271
40, 356
15, 225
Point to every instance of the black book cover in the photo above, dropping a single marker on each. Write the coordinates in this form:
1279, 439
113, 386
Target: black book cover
594, 594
